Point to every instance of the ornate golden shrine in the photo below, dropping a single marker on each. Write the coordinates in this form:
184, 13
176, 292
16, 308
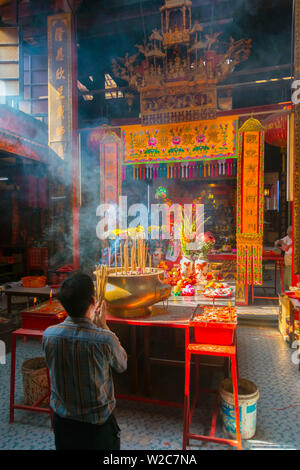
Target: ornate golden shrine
177, 78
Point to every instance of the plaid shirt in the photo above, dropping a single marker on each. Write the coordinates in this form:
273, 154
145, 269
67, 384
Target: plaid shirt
80, 357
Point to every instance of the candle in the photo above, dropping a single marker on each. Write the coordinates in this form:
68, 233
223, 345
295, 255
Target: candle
34, 301
50, 296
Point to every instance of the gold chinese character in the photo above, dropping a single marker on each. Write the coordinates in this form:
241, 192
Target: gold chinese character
60, 95
60, 55
60, 74
58, 35
250, 153
251, 138
60, 112
250, 199
251, 168
251, 212
251, 183
60, 130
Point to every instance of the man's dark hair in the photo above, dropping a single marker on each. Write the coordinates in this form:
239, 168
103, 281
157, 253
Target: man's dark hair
76, 294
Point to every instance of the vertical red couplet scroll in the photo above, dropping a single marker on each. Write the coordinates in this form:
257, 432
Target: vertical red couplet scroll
250, 206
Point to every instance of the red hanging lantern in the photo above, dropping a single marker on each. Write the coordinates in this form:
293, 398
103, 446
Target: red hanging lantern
276, 130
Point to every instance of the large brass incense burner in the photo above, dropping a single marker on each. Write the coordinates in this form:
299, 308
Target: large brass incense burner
133, 293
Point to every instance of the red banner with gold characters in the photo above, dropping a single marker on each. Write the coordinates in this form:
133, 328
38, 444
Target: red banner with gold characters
250, 203
60, 83
105, 141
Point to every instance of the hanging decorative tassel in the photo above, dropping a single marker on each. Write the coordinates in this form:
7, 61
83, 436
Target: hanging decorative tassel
193, 165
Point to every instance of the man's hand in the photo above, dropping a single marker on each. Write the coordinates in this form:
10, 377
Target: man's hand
100, 315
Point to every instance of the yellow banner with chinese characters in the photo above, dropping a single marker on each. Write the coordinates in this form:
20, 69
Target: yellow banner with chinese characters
250, 203
60, 83
188, 141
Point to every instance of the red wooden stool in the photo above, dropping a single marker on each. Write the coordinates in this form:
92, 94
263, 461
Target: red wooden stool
209, 350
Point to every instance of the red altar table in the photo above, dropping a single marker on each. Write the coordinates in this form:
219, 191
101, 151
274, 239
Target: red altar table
267, 257
160, 317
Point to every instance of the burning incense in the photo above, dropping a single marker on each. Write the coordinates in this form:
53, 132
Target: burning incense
116, 263
131, 256
109, 258
122, 257
101, 281
134, 254
126, 256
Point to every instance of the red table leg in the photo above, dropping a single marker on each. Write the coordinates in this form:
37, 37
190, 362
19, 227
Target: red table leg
186, 418
236, 402
186, 405
12, 378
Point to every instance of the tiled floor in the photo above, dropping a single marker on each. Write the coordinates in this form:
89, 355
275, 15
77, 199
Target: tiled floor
264, 358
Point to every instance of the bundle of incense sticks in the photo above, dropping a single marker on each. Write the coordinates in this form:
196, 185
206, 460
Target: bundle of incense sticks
133, 255
101, 281
133, 259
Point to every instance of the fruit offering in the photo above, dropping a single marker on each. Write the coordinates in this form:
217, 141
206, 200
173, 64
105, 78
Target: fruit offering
217, 289
177, 291
163, 265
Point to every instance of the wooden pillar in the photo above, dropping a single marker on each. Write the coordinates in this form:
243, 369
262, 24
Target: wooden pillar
62, 128
296, 205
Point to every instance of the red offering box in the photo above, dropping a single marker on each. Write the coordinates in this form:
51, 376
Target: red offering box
214, 329
45, 315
